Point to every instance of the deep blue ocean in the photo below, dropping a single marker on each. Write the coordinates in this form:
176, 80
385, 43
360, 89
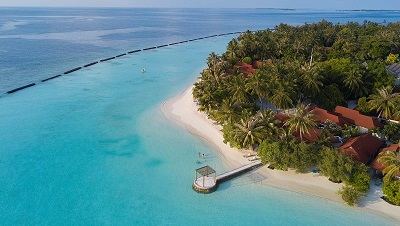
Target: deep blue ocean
93, 148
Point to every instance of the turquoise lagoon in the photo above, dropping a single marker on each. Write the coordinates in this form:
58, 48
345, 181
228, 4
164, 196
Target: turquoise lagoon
93, 148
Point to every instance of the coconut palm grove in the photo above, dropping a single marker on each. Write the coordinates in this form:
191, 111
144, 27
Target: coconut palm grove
286, 93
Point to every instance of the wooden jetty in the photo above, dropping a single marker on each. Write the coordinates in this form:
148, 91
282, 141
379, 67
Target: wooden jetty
209, 180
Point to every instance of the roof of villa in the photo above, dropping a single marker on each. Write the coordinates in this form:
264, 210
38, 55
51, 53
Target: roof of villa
379, 166
314, 134
248, 69
245, 68
322, 115
361, 148
354, 117
282, 117
394, 69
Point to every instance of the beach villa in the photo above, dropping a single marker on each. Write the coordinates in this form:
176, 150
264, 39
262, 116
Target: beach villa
322, 116
248, 69
378, 167
394, 69
354, 117
314, 135
362, 148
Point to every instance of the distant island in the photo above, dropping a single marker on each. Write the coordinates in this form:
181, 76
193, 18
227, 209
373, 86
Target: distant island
318, 98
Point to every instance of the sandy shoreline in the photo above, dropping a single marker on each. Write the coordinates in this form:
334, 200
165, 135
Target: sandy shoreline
182, 110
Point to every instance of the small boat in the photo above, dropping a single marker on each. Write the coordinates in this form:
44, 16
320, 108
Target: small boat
143, 70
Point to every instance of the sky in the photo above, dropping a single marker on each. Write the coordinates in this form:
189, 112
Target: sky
293, 4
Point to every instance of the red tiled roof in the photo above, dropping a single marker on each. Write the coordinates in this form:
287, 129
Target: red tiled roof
314, 134
379, 166
256, 64
361, 148
322, 115
245, 68
354, 117
248, 69
282, 117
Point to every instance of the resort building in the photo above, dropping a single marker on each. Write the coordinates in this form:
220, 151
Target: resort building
378, 167
362, 148
354, 117
314, 135
394, 69
248, 69
322, 116
245, 68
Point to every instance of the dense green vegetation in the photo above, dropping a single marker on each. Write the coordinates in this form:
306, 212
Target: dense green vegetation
392, 191
391, 185
323, 63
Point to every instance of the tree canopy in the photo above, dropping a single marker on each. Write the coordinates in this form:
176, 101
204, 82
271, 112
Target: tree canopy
323, 63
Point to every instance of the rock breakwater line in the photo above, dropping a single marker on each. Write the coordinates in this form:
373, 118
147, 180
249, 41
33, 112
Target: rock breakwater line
120, 55
21, 88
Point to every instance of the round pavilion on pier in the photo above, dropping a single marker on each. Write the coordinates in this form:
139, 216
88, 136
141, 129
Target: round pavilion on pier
205, 180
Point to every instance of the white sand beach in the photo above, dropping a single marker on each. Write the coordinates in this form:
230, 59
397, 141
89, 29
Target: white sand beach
182, 110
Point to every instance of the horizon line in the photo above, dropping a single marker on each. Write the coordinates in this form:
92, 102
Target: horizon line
150, 7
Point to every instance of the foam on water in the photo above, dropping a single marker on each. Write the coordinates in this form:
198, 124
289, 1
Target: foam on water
93, 147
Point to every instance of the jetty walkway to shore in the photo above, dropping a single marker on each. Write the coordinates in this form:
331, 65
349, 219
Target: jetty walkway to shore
209, 181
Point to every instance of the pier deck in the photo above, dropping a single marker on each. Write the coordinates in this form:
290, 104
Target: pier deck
208, 184
238, 171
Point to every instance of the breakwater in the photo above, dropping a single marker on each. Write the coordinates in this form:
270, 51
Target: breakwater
21, 88
117, 56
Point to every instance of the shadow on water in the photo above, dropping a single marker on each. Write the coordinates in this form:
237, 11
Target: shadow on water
242, 181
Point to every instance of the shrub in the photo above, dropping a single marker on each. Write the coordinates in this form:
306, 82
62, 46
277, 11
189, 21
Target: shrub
360, 178
288, 154
335, 165
392, 191
350, 194
247, 60
333, 128
392, 58
330, 98
272, 152
362, 106
229, 136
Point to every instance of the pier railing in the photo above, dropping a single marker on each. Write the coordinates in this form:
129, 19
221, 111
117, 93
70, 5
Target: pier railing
238, 171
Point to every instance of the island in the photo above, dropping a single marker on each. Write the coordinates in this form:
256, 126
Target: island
317, 103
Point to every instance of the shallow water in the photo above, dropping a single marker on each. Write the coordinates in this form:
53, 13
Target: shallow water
93, 148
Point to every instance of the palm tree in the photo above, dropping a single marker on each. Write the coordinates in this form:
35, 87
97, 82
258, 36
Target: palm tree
385, 101
281, 98
311, 80
249, 131
269, 121
256, 85
354, 82
301, 121
237, 88
227, 112
392, 161
396, 114
214, 69
232, 49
